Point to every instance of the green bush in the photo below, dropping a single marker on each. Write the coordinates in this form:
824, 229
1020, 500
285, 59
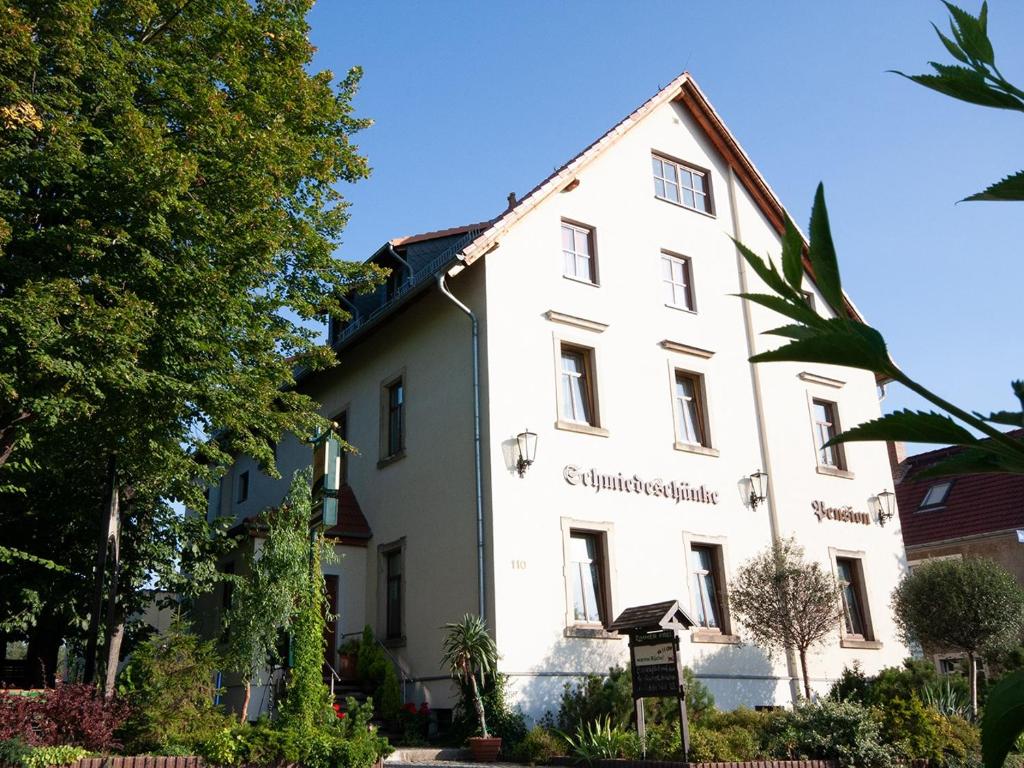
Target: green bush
368, 655
601, 740
611, 697
13, 751
502, 720
912, 729
538, 746
388, 695
663, 742
843, 731
43, 757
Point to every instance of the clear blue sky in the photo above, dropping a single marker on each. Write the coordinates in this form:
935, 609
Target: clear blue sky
471, 101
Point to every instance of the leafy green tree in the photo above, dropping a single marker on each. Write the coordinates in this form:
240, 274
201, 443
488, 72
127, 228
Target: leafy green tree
266, 599
168, 216
471, 655
785, 602
972, 605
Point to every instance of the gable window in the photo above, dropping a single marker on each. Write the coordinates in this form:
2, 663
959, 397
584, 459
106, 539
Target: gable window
682, 184
577, 385
705, 563
393, 418
826, 426
578, 252
851, 587
243, 487
936, 495
587, 568
675, 276
691, 426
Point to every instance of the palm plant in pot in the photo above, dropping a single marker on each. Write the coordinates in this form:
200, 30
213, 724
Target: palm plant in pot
470, 652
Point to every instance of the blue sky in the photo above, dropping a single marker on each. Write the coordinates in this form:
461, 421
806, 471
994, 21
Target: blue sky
471, 101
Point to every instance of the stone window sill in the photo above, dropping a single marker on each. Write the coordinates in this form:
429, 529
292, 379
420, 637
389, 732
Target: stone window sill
591, 633
835, 472
701, 450
860, 643
583, 429
388, 460
714, 637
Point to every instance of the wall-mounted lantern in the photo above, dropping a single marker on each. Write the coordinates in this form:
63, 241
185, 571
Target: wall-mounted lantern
326, 478
526, 447
754, 489
884, 504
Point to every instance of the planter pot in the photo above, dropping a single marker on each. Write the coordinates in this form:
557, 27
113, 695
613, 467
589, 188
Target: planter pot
346, 666
485, 750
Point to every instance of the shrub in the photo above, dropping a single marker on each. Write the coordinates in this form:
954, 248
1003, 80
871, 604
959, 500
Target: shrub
538, 746
843, 731
612, 697
852, 685
13, 751
44, 757
169, 683
663, 742
388, 694
66, 715
912, 730
502, 720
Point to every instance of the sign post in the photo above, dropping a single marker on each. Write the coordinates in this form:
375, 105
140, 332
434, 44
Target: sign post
654, 659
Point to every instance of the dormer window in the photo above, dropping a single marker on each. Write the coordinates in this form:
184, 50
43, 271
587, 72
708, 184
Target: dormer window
936, 495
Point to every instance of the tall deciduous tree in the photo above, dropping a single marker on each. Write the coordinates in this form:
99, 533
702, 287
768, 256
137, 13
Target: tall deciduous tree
785, 602
972, 605
168, 216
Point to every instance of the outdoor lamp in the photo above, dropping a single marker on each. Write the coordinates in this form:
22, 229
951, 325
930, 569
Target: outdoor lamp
754, 489
885, 506
526, 446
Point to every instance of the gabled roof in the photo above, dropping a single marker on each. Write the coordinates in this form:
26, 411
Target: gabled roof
684, 91
653, 617
976, 504
352, 528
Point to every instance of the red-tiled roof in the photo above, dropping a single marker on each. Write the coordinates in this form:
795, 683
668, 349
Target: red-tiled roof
976, 504
408, 239
352, 527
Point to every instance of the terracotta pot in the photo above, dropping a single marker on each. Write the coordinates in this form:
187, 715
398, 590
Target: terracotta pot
347, 666
485, 750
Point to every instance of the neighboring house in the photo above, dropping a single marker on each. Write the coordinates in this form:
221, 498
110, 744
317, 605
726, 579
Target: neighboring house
609, 327
980, 515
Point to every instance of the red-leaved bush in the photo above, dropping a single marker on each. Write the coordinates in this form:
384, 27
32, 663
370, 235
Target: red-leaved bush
67, 714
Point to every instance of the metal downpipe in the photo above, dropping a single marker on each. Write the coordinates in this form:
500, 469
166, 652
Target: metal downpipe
482, 604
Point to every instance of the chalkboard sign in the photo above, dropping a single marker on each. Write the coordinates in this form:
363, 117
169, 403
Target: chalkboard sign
655, 671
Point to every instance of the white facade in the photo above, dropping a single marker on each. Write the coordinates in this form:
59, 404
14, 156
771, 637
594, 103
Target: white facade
632, 347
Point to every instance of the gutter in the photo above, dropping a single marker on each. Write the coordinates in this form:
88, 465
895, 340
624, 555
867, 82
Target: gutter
482, 602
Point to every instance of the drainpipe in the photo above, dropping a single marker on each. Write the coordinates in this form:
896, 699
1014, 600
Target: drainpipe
482, 605
755, 380
403, 262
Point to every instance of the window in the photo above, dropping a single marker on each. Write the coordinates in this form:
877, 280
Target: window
675, 275
393, 593
577, 388
809, 298
681, 184
851, 586
587, 572
243, 487
705, 562
578, 252
690, 423
936, 495
394, 417
826, 426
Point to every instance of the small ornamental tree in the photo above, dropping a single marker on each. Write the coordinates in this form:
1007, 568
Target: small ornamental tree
264, 604
971, 605
786, 602
470, 652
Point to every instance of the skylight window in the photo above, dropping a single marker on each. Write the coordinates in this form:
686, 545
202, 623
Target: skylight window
936, 495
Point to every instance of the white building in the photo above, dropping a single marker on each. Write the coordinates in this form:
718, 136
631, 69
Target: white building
607, 326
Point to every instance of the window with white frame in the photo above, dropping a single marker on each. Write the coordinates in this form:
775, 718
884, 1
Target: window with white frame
677, 281
578, 252
577, 386
691, 425
826, 427
587, 569
936, 495
681, 184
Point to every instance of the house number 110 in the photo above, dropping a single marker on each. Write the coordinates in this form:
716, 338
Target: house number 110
518, 565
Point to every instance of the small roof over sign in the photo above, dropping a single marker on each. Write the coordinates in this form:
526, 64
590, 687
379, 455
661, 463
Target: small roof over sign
653, 617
